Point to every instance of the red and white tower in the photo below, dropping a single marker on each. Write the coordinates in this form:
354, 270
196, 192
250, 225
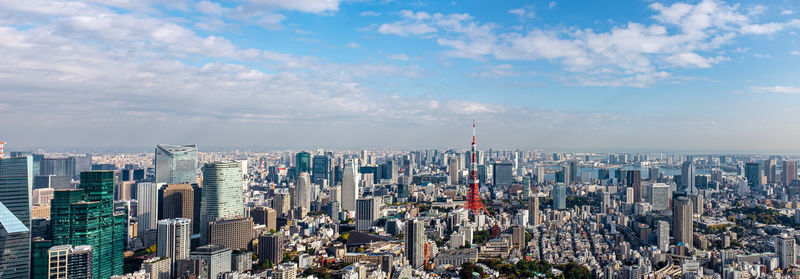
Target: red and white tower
474, 202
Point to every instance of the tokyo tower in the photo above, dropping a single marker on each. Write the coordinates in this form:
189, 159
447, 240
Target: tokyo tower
474, 202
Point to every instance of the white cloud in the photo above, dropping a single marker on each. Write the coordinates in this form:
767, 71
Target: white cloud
309, 6
370, 13
523, 13
551, 5
794, 52
500, 71
776, 89
401, 56
787, 12
353, 45
405, 29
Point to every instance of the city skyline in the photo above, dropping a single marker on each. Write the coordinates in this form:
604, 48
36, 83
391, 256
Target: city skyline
633, 76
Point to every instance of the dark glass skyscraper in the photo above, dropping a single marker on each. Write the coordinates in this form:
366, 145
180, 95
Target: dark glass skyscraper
302, 162
85, 216
322, 168
16, 181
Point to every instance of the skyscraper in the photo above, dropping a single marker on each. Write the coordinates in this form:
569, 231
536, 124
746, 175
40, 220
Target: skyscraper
303, 191
789, 172
86, 216
216, 259
662, 236
234, 234
559, 196
502, 174
770, 170
785, 250
634, 180
282, 203
270, 247
753, 174
573, 171
147, 210
16, 186
302, 162
264, 216
222, 194
682, 220
176, 163
322, 169
415, 235
177, 201
174, 239
533, 211
350, 191
687, 178
452, 170
367, 212
658, 195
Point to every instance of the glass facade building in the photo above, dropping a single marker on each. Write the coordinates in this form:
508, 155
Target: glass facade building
223, 197
176, 163
16, 183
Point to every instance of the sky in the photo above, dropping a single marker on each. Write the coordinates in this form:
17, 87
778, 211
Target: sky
571, 75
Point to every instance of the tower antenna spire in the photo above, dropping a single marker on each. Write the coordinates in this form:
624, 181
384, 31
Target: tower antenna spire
474, 202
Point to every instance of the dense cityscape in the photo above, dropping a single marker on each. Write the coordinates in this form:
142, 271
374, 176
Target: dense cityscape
179, 212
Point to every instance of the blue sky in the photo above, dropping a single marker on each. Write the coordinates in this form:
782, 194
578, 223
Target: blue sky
578, 75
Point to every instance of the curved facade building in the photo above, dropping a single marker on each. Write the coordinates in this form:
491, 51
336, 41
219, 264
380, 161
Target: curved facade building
176, 163
303, 190
222, 194
349, 186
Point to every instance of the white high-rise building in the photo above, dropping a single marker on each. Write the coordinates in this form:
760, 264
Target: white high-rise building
662, 235
222, 194
350, 191
303, 191
174, 239
147, 210
785, 250
658, 195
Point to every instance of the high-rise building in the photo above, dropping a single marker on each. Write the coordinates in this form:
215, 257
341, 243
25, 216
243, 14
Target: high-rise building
158, 268
573, 172
502, 174
270, 248
697, 204
86, 216
303, 191
350, 189
687, 178
176, 163
176, 201
658, 195
216, 259
322, 169
770, 170
452, 170
16, 186
634, 180
753, 174
662, 236
57, 166
682, 220
415, 236
282, 203
540, 174
302, 162
222, 194
559, 196
789, 172
147, 210
235, 234
533, 211
367, 212
174, 239
785, 250
653, 174
65, 262
266, 216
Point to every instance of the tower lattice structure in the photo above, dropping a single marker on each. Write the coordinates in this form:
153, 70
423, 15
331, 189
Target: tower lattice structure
474, 202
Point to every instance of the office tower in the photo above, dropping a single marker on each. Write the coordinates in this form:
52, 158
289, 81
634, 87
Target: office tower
147, 210
241, 261
533, 210
282, 203
333, 210
52, 181
80, 262
16, 187
415, 233
367, 212
388, 170
403, 186
697, 204
566, 174
216, 259
350, 191
270, 248
559, 196
682, 220
176, 163
177, 201
687, 178
653, 174
86, 216
452, 170
662, 236
58, 261
753, 174
335, 193
158, 268
303, 191
573, 171
57, 166
322, 169
539, 175
15, 241
40, 258
235, 234
518, 237
658, 195
770, 170
81, 164
174, 239
285, 271
222, 194
302, 162
785, 250
634, 180
482, 174
266, 216
502, 174
789, 172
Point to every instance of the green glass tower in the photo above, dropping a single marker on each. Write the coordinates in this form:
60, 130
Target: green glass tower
85, 216
303, 162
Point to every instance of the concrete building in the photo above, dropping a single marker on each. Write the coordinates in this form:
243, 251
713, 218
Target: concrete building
234, 234
216, 259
